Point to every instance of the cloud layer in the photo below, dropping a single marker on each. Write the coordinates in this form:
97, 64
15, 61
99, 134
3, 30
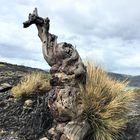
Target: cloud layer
107, 32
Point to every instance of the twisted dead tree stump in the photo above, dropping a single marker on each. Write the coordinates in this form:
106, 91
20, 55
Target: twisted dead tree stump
67, 72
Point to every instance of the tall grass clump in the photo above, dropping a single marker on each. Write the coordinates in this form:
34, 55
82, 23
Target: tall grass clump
106, 104
31, 83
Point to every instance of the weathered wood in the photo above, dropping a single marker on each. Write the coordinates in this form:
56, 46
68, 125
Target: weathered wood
77, 130
67, 72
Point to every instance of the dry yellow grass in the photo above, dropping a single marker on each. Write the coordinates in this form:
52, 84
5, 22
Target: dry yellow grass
106, 104
31, 83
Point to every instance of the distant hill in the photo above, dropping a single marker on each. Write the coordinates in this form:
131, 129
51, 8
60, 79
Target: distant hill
14, 72
120, 77
11, 74
134, 81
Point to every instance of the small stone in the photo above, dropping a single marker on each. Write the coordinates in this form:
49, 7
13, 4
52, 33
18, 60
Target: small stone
2, 132
44, 138
52, 131
28, 103
12, 132
5, 87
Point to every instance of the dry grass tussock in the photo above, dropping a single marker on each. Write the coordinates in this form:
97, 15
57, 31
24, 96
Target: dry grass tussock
31, 83
106, 104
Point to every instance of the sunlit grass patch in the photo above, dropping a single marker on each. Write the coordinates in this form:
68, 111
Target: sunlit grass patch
31, 83
2, 65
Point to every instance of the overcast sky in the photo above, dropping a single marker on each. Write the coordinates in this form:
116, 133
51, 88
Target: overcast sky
105, 31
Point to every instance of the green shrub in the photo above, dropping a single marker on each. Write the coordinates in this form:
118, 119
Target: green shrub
106, 104
31, 83
137, 90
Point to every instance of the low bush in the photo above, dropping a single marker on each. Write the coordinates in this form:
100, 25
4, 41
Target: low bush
106, 102
137, 90
31, 83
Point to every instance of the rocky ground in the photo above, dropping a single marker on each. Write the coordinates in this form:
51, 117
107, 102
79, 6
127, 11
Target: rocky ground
132, 131
18, 121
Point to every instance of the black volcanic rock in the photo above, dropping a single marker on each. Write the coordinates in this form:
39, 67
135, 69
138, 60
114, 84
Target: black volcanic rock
21, 122
132, 130
18, 122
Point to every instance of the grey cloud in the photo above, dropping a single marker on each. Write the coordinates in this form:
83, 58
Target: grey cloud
106, 31
104, 23
14, 51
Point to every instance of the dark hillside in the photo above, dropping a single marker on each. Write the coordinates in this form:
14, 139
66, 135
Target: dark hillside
134, 81
11, 74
